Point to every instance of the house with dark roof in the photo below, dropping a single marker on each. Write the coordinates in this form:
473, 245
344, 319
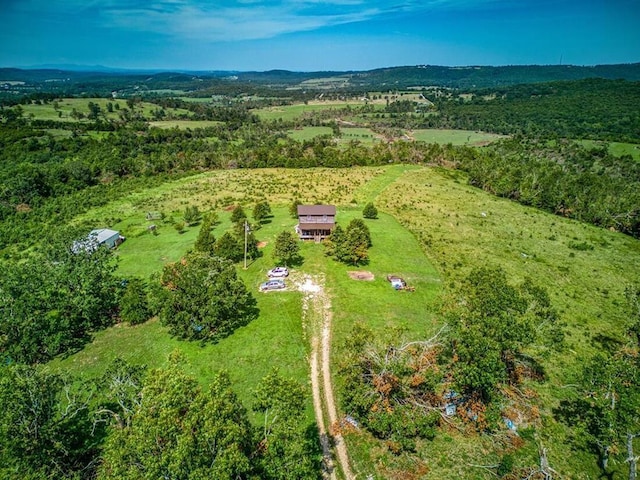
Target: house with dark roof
315, 222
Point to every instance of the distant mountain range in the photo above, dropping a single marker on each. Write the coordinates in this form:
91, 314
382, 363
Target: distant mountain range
471, 77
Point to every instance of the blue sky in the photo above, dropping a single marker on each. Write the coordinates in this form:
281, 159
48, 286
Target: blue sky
306, 35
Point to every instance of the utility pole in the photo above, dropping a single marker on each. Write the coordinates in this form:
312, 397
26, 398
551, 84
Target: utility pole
246, 231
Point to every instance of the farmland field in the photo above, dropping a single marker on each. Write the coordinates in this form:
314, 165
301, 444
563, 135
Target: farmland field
432, 230
454, 137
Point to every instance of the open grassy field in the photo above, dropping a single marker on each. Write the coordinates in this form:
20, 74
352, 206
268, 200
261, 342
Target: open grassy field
184, 124
66, 106
291, 112
307, 133
363, 135
433, 229
615, 148
454, 137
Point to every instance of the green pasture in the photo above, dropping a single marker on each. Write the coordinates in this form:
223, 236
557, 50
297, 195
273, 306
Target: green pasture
454, 137
184, 124
61, 109
291, 112
618, 149
307, 133
363, 135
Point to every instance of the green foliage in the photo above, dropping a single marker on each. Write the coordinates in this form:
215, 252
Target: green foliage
54, 300
238, 215
607, 405
180, 430
286, 250
286, 451
370, 211
261, 211
191, 215
492, 325
293, 208
206, 241
203, 299
228, 246
134, 305
351, 245
44, 426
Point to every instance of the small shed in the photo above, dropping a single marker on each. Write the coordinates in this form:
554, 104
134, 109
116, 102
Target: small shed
106, 236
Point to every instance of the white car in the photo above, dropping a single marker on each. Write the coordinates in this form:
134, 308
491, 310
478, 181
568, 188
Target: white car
274, 284
278, 272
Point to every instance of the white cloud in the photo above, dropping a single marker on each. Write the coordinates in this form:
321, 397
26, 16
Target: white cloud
232, 20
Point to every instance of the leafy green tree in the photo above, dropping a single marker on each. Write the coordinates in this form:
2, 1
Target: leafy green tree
293, 208
285, 448
351, 245
180, 430
605, 414
134, 304
286, 249
361, 234
493, 323
370, 211
204, 299
206, 241
228, 246
51, 302
261, 211
238, 215
192, 215
44, 426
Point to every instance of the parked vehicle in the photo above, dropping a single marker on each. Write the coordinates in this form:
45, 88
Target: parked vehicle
274, 284
278, 272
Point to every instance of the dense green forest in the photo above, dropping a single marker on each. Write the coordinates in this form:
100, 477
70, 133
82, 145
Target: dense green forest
54, 296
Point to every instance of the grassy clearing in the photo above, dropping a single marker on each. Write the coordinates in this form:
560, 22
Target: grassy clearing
461, 227
184, 124
454, 137
615, 148
307, 133
363, 135
66, 106
291, 112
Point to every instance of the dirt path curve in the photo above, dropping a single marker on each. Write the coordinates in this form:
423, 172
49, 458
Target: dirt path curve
316, 310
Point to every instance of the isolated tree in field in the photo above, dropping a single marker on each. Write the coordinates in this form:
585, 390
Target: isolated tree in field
206, 241
370, 211
228, 246
180, 430
134, 305
238, 215
361, 232
287, 249
191, 215
204, 299
261, 211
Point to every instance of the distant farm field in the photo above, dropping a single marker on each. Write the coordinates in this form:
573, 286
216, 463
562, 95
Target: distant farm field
307, 133
615, 148
184, 124
454, 137
62, 109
